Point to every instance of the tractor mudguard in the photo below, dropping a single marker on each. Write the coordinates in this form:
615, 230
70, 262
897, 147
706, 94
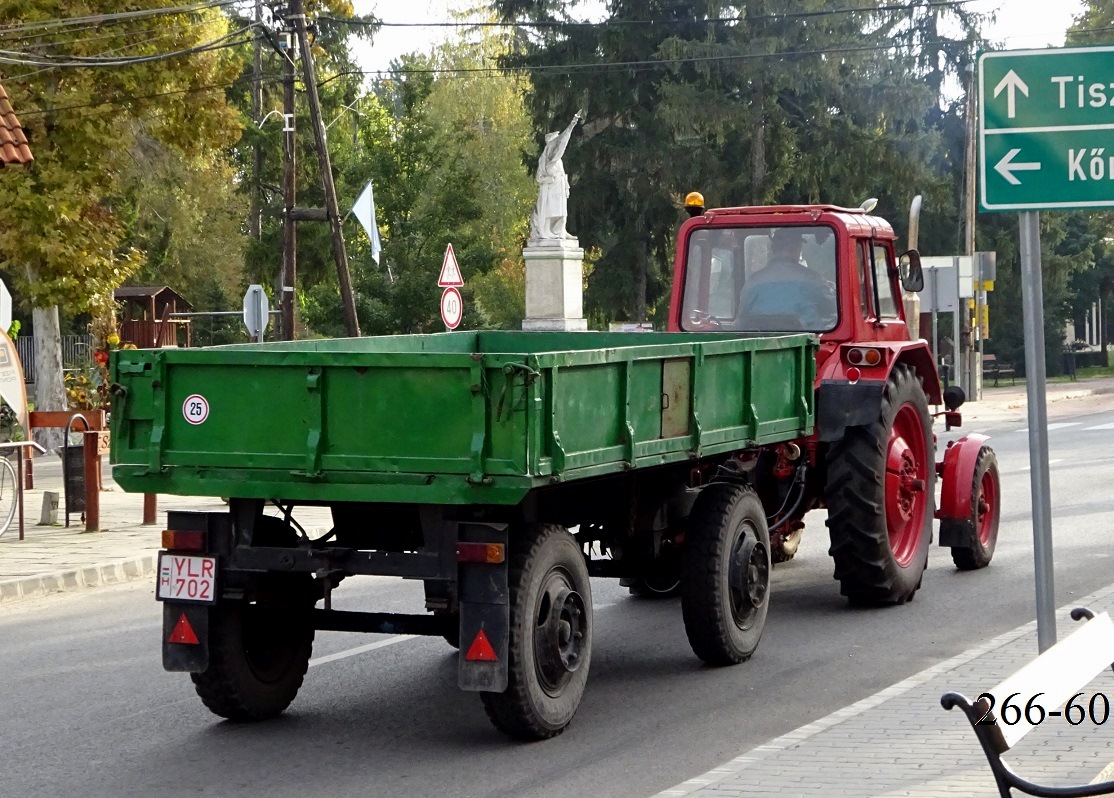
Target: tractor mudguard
957, 472
841, 404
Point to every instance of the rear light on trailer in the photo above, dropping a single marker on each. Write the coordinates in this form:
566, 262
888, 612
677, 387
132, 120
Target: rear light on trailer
183, 540
853, 374
492, 553
862, 356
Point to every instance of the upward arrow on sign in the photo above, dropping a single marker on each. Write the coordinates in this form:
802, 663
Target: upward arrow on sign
450, 271
1011, 83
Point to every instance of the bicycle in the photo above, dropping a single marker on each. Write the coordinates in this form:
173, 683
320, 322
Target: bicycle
9, 492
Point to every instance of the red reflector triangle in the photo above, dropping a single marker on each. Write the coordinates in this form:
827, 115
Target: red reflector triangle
183, 633
481, 650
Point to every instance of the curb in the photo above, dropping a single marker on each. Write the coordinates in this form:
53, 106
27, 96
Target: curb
78, 578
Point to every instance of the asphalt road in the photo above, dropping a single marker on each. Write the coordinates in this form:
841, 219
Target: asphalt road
87, 710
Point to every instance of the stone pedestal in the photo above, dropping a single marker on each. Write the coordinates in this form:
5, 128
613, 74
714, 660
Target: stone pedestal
554, 285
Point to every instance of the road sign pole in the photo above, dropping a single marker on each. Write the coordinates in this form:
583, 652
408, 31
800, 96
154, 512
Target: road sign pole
1032, 302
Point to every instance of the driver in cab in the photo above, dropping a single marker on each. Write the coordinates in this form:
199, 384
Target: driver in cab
786, 295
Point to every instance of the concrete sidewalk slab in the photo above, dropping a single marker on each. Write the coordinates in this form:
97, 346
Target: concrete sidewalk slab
901, 742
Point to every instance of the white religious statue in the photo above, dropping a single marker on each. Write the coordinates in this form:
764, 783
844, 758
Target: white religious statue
551, 212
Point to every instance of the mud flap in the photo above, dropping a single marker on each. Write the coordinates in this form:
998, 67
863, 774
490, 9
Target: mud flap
185, 637
485, 615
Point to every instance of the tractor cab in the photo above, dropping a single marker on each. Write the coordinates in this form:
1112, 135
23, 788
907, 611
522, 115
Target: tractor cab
822, 269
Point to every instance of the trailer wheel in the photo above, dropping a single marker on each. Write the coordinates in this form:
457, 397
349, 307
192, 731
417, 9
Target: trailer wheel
725, 588
880, 494
551, 634
259, 648
982, 528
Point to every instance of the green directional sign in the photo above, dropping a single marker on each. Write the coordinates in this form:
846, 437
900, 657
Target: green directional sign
1046, 129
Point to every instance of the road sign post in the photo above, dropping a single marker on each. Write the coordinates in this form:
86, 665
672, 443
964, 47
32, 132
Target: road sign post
1032, 301
1045, 123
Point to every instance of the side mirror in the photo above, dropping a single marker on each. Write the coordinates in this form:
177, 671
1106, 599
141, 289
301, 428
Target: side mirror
909, 268
954, 397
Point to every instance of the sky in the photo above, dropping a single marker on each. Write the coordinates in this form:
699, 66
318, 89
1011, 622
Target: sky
1021, 24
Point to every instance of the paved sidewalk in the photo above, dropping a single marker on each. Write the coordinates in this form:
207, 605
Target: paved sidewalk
901, 742
56, 558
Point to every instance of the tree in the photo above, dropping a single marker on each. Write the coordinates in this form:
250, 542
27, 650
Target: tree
61, 233
750, 103
443, 146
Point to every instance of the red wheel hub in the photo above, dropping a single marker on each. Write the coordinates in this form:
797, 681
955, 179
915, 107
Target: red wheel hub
985, 503
906, 483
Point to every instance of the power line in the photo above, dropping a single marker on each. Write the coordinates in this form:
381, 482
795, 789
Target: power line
100, 19
123, 101
28, 59
651, 22
642, 64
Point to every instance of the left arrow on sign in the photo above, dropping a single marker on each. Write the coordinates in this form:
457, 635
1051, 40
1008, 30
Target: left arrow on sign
1006, 167
1011, 83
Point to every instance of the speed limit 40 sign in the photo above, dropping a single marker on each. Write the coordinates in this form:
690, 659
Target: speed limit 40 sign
452, 308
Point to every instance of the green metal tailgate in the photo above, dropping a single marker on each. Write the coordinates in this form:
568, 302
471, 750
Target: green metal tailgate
455, 418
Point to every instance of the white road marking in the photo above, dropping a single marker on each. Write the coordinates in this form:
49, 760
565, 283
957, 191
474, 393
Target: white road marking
1102, 426
1058, 425
390, 641
1050, 462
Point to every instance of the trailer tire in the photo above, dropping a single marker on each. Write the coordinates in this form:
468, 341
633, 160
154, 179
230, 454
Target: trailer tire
982, 528
551, 613
725, 587
880, 494
259, 648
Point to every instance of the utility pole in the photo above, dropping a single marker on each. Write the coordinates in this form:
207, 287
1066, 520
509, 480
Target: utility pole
289, 231
332, 211
257, 117
967, 362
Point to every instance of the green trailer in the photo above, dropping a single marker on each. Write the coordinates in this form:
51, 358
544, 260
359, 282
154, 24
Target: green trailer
500, 468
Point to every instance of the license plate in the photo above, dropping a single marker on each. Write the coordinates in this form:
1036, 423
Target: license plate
187, 578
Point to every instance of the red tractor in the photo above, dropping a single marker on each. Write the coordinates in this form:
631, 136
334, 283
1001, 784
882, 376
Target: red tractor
871, 460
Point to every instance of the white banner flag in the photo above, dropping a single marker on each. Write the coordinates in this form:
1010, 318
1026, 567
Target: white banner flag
364, 211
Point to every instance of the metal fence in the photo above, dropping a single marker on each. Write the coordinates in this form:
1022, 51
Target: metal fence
77, 353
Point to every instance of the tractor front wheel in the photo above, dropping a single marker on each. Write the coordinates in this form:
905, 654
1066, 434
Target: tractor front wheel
981, 529
880, 494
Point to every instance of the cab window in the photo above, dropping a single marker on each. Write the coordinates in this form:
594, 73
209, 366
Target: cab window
761, 279
883, 269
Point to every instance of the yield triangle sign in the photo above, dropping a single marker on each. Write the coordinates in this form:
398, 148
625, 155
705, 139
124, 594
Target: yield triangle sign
183, 633
450, 272
481, 650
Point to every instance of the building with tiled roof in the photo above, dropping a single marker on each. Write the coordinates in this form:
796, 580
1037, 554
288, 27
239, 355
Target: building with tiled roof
13, 141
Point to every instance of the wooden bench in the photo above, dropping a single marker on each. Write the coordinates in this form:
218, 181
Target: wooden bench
993, 367
1034, 695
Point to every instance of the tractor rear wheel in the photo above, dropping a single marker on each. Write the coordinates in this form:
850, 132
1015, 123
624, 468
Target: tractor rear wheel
725, 584
981, 529
880, 494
